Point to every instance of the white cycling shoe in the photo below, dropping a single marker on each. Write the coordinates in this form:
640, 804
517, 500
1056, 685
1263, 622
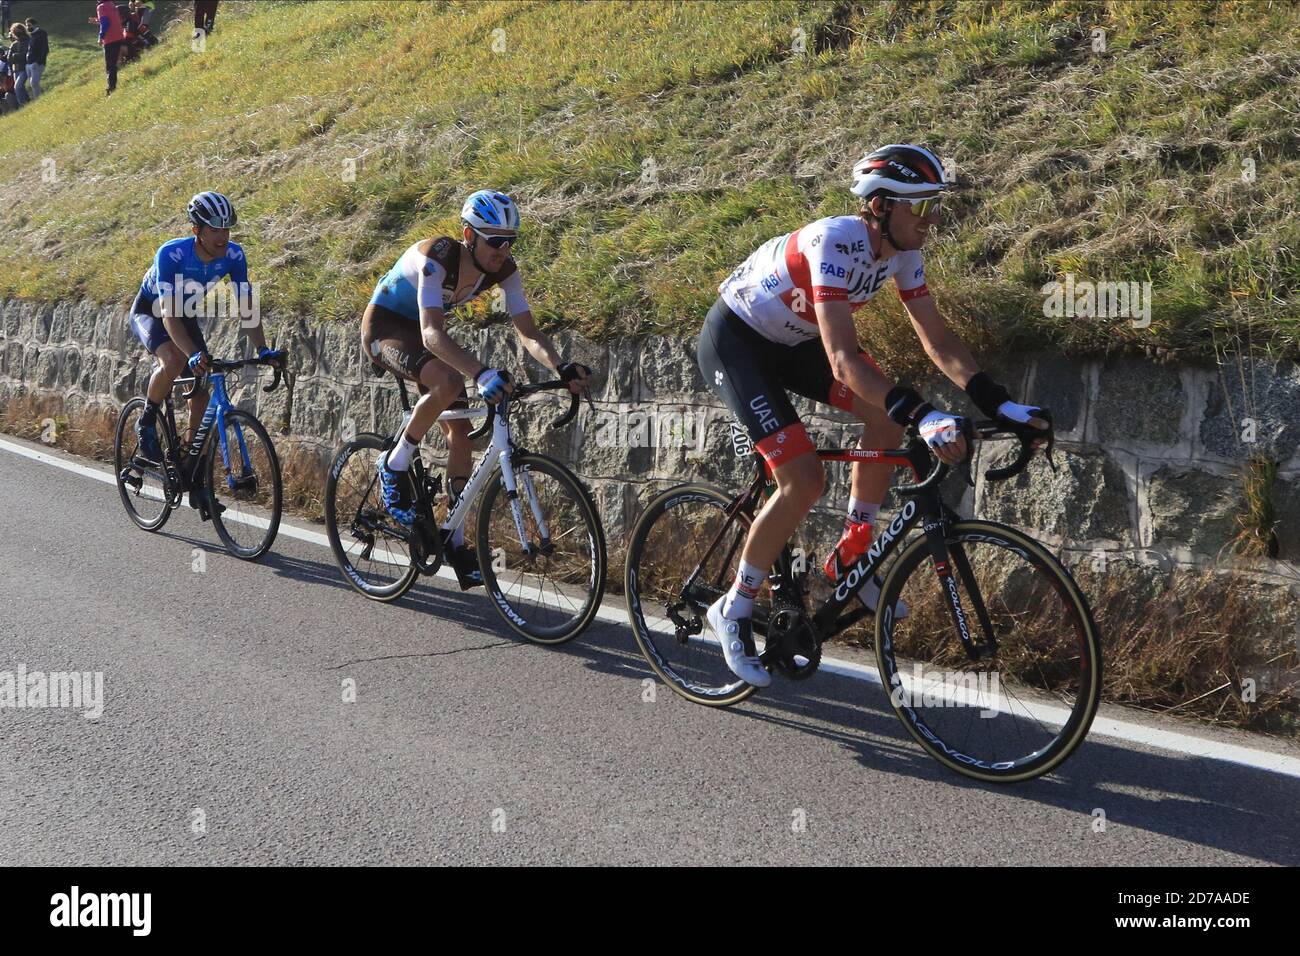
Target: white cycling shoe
869, 594
733, 636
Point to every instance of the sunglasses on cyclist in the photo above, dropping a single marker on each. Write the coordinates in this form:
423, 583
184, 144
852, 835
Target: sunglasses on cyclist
922, 207
497, 242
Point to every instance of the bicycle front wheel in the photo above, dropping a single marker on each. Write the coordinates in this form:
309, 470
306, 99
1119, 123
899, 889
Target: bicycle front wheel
366, 540
143, 486
245, 495
682, 557
548, 587
1023, 706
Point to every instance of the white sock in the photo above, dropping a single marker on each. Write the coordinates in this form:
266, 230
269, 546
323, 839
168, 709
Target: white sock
862, 512
399, 459
740, 599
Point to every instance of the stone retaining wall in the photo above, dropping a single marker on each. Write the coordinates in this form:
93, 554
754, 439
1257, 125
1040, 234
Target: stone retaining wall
1150, 456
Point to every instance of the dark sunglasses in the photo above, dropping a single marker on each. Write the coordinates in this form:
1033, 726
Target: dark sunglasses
497, 242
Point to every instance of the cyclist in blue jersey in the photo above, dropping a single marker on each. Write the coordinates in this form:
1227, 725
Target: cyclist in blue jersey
404, 331
163, 315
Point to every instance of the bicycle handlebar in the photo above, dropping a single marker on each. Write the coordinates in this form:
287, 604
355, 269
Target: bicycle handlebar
983, 430
1027, 434
275, 360
523, 391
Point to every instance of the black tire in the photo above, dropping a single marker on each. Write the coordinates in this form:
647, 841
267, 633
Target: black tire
1047, 666
153, 486
246, 509
666, 546
574, 569
351, 487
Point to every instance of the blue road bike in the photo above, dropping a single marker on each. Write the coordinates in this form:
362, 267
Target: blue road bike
228, 468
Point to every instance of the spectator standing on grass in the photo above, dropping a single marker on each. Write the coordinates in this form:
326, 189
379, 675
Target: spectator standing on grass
18, 61
205, 15
141, 14
37, 53
143, 11
111, 37
6, 85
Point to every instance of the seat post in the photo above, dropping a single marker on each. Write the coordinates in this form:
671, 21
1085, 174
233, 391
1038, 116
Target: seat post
401, 387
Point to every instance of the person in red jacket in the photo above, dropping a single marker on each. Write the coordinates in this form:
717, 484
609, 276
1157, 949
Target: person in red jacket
111, 37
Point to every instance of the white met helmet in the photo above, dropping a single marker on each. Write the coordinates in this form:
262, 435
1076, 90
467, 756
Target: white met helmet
213, 210
898, 170
491, 212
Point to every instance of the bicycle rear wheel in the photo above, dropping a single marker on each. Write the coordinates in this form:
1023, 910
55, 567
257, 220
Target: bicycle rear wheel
146, 493
670, 579
1022, 708
550, 592
364, 537
247, 487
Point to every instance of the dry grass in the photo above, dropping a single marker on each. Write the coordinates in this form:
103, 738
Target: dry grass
303, 468
89, 433
1259, 522
654, 145
1185, 642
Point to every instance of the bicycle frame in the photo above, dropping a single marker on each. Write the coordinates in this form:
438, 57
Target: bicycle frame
923, 507
214, 414
498, 455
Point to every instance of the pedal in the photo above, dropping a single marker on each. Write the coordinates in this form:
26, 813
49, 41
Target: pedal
131, 478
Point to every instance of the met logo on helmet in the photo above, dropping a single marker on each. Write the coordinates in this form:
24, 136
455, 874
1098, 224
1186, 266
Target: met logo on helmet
909, 173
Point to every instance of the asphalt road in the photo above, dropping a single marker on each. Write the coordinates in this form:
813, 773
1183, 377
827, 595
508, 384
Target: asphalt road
226, 739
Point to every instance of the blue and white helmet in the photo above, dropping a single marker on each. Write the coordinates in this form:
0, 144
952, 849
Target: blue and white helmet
490, 212
213, 210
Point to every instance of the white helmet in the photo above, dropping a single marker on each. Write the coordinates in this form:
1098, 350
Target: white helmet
898, 170
491, 212
213, 210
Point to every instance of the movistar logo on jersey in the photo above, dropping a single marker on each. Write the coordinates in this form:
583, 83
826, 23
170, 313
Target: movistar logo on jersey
197, 300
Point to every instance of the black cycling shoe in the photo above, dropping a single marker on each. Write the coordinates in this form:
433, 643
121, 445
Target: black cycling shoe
199, 500
147, 441
464, 561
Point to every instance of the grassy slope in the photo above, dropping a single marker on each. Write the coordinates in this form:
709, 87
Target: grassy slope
653, 145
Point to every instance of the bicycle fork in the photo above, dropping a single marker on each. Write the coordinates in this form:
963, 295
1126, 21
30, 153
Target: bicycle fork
510, 478
949, 556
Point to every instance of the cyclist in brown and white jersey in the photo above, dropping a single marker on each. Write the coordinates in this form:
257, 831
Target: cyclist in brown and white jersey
404, 331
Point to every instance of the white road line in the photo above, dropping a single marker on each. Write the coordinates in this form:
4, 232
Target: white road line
1126, 731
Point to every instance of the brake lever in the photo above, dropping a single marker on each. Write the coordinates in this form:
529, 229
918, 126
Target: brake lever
1046, 416
964, 469
964, 466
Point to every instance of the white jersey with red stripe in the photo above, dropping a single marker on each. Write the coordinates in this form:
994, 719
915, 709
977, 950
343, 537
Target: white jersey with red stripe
774, 290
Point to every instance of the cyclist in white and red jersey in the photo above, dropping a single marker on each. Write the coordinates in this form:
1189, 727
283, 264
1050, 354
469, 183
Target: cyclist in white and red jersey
783, 322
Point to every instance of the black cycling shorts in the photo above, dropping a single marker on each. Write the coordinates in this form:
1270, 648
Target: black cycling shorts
393, 342
753, 375
149, 329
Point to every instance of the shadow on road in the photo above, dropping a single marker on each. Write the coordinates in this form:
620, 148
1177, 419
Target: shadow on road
1204, 802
